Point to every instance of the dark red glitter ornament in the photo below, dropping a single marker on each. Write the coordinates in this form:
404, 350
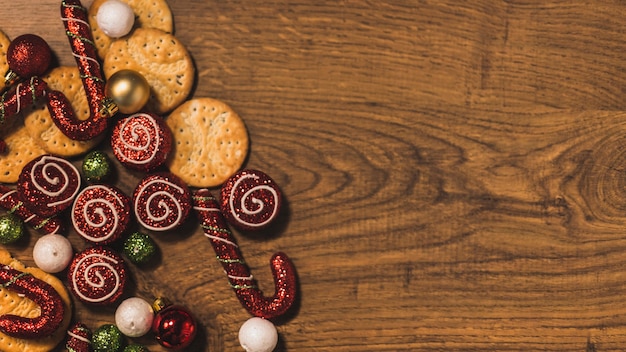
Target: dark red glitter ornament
40, 292
250, 199
161, 201
97, 275
78, 338
141, 142
44, 225
238, 272
174, 326
101, 213
28, 55
48, 184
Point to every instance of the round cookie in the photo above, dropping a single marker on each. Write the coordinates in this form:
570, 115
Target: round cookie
4, 45
210, 142
21, 149
148, 14
12, 303
161, 59
40, 124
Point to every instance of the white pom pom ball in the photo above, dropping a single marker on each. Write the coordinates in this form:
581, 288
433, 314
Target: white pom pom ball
115, 18
134, 317
258, 335
52, 253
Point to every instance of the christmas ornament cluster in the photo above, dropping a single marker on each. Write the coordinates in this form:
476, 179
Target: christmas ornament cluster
50, 188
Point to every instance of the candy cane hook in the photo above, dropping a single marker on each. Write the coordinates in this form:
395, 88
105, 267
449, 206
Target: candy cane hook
78, 30
19, 97
238, 272
40, 292
44, 225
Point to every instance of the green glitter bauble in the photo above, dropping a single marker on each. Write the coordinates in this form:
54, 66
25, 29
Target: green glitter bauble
107, 338
139, 248
11, 228
96, 166
136, 348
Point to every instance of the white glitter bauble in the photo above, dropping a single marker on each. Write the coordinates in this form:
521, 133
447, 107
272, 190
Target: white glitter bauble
134, 317
115, 18
258, 335
52, 253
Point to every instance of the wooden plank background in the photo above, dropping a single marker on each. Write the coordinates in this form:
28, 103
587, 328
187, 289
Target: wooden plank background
454, 170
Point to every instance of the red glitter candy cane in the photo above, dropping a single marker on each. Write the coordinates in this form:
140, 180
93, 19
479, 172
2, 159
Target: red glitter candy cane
40, 292
44, 225
78, 31
20, 96
239, 276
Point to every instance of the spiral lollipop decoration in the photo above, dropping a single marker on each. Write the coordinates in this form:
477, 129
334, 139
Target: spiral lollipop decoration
97, 275
101, 214
78, 30
237, 271
40, 292
250, 200
161, 201
141, 142
44, 225
79, 338
48, 184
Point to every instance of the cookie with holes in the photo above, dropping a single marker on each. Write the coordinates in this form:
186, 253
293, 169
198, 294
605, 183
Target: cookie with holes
210, 142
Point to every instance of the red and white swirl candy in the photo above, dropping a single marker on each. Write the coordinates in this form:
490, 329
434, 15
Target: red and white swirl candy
141, 142
250, 200
161, 201
97, 275
48, 184
101, 213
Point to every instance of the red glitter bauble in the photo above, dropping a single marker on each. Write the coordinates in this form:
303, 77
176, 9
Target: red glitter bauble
161, 201
101, 213
250, 200
142, 141
174, 327
29, 55
97, 275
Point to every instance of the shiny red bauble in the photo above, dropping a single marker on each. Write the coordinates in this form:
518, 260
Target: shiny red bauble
174, 327
29, 55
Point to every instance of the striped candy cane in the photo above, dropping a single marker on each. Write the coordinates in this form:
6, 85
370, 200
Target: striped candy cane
78, 31
241, 280
44, 225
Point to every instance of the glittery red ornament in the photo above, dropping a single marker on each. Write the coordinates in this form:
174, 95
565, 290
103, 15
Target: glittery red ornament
48, 184
44, 225
239, 275
174, 327
40, 292
97, 275
250, 200
79, 338
101, 213
28, 55
141, 142
161, 201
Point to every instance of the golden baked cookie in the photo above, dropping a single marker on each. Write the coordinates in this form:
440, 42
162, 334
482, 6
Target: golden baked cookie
40, 125
4, 46
161, 59
21, 149
12, 303
148, 14
210, 142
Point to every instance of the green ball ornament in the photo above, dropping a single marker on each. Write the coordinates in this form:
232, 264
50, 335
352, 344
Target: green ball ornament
96, 166
107, 338
139, 248
11, 228
136, 348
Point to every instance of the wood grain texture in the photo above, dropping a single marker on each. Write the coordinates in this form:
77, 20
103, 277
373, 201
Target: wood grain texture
454, 171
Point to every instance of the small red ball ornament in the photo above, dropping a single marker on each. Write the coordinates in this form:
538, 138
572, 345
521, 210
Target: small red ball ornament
28, 55
173, 325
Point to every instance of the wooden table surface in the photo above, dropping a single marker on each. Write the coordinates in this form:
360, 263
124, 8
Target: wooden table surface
454, 171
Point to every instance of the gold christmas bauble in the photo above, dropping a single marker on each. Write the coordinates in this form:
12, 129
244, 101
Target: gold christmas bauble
129, 90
